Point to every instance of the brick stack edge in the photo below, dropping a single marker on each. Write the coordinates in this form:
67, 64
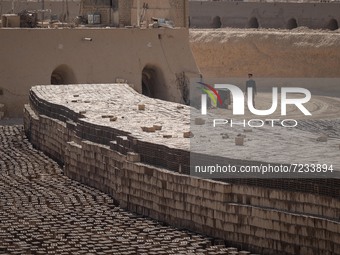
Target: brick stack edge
256, 218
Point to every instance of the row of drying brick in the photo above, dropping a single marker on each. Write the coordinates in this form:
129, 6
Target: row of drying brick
169, 158
149, 195
118, 180
327, 187
44, 212
158, 155
52, 110
149, 178
298, 202
217, 191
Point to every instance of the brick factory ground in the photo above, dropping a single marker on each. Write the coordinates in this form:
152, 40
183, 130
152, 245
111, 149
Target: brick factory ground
101, 102
44, 212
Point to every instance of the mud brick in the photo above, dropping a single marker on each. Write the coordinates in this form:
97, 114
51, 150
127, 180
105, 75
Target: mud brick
133, 157
239, 141
71, 125
149, 129
172, 165
199, 121
123, 140
322, 138
114, 145
188, 134
141, 107
243, 252
157, 127
148, 171
123, 150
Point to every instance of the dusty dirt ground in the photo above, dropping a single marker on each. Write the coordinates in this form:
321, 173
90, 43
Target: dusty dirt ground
299, 52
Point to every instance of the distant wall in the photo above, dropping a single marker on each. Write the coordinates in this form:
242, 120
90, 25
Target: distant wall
71, 9
123, 13
126, 11
235, 53
203, 14
38, 56
214, 14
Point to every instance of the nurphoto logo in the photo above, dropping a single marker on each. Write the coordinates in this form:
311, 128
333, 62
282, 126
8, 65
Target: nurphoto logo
238, 104
238, 99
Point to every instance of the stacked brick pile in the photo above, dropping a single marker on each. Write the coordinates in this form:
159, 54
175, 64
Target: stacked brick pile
262, 220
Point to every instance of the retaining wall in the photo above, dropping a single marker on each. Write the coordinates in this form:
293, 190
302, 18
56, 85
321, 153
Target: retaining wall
259, 219
39, 56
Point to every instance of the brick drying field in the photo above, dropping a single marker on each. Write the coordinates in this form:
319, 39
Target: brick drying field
44, 212
133, 148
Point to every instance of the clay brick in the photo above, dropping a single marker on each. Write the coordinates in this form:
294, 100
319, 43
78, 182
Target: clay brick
133, 157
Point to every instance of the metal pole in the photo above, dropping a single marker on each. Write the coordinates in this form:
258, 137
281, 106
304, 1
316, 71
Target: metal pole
138, 11
67, 13
186, 14
110, 11
43, 12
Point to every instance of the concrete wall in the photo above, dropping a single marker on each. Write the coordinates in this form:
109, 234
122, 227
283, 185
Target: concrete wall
268, 15
262, 220
30, 56
116, 53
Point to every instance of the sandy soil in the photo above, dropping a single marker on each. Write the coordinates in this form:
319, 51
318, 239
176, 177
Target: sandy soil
299, 52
